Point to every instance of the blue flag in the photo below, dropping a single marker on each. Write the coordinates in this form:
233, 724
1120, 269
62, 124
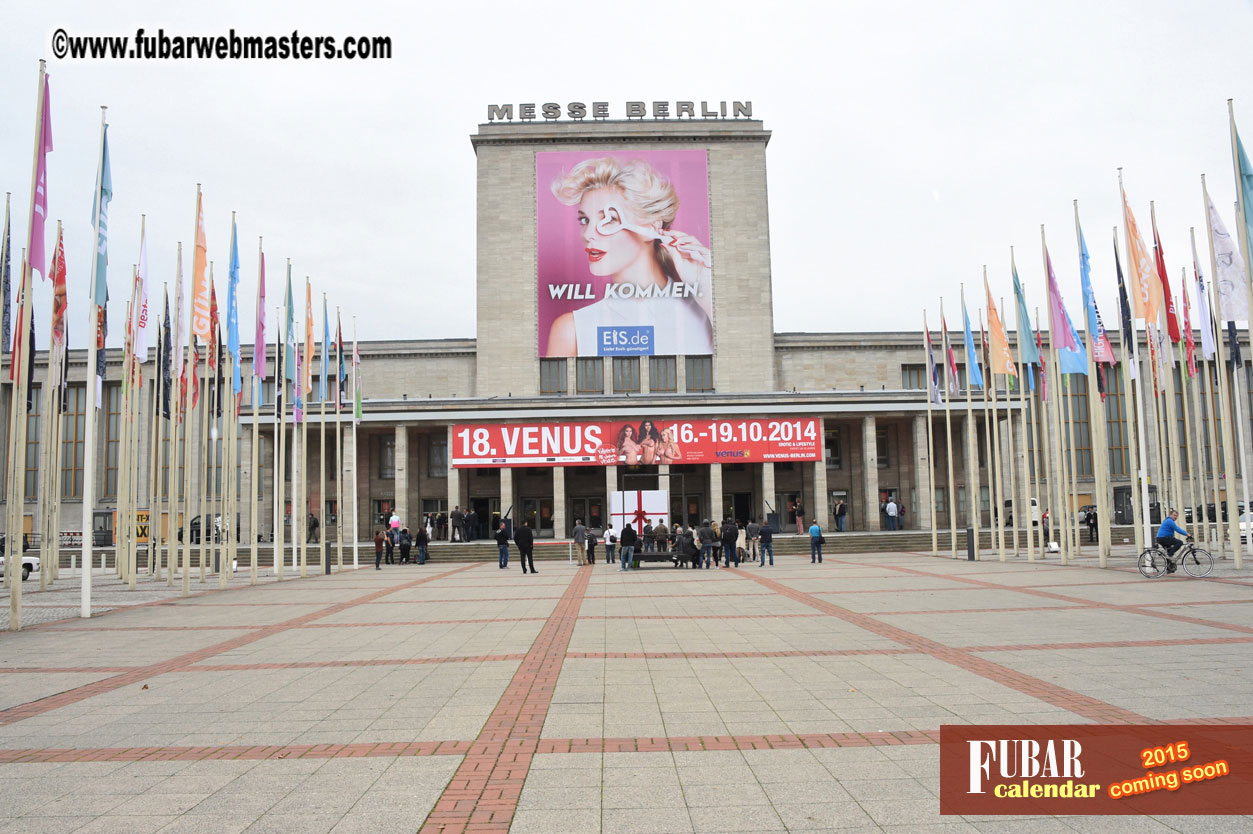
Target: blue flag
1245, 175
1028, 352
973, 375
232, 314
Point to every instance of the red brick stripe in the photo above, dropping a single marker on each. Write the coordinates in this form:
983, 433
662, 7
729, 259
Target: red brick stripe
181, 662
483, 794
1066, 699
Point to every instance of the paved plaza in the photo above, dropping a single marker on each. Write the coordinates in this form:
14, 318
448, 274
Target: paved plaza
460, 697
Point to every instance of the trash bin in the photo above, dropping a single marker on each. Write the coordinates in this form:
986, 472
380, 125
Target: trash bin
970, 544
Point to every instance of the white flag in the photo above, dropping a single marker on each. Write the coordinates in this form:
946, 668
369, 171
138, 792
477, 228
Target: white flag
1205, 320
1229, 280
143, 329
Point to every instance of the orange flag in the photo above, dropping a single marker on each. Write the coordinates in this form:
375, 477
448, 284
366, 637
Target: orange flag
201, 291
1145, 287
1001, 360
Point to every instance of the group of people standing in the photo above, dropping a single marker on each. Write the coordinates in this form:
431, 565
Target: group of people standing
386, 542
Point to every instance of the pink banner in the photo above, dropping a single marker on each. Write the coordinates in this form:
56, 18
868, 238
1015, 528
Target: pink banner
623, 253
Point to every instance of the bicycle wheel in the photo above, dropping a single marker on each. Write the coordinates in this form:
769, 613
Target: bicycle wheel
1152, 563
1198, 562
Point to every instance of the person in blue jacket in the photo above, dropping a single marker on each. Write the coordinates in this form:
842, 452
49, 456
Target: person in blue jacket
1166, 533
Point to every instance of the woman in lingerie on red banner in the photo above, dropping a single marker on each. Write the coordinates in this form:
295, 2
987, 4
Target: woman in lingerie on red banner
649, 440
668, 450
625, 211
628, 447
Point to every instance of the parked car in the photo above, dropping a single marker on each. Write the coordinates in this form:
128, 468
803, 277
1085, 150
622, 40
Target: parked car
217, 531
1035, 512
30, 564
1246, 525
25, 543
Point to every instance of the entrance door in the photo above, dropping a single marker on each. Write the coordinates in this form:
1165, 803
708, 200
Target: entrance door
590, 510
483, 510
886, 494
538, 513
692, 517
737, 505
838, 495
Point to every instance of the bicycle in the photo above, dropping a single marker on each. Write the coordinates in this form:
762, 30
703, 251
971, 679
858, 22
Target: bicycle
1196, 562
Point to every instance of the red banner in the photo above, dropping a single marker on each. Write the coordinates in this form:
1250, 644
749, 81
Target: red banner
648, 442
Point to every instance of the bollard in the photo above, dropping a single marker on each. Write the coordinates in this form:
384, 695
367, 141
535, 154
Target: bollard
326, 557
970, 544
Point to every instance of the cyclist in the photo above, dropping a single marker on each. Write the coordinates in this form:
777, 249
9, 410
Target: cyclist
1166, 536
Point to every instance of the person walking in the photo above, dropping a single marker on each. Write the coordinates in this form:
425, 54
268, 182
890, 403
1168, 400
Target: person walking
502, 542
580, 542
611, 544
891, 510
389, 545
421, 540
766, 534
705, 535
406, 546
816, 541
628, 547
524, 538
730, 542
393, 524
313, 524
378, 549
751, 532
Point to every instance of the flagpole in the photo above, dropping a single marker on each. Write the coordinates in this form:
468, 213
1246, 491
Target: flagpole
1211, 407
257, 480
1233, 524
44, 489
175, 494
1059, 511
1012, 463
122, 547
971, 450
154, 511
1242, 231
996, 487
280, 473
1142, 475
926, 346
1027, 409
300, 485
322, 447
356, 515
1204, 405
339, 445
6, 255
1185, 376
987, 446
1096, 425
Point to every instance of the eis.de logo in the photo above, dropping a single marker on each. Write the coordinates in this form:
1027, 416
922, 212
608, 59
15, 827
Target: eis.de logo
1096, 769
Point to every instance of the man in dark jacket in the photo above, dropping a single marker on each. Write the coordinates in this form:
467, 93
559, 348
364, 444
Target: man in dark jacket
646, 537
767, 544
730, 538
627, 546
705, 535
751, 532
421, 539
502, 542
457, 520
525, 540
406, 546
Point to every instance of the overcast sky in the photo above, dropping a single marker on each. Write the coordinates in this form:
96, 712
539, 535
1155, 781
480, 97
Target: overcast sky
912, 142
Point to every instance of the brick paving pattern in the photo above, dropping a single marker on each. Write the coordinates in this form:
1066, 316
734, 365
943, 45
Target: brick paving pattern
458, 698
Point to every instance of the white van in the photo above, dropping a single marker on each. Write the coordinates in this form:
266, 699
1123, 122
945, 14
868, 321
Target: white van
1035, 513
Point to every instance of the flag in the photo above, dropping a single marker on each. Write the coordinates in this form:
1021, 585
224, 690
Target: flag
1233, 301
289, 335
342, 376
1124, 308
953, 387
1190, 344
1072, 358
1204, 317
1244, 175
933, 374
232, 315
326, 346
36, 257
308, 354
1028, 350
1145, 289
1098, 341
59, 300
258, 344
1172, 315
100, 218
298, 396
1000, 360
140, 315
201, 283
6, 328
1044, 380
357, 410
974, 376
166, 360
215, 327
102, 334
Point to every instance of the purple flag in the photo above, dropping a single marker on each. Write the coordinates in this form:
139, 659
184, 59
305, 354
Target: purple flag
1061, 334
37, 258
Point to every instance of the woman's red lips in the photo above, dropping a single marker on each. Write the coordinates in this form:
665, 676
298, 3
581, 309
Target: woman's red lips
595, 255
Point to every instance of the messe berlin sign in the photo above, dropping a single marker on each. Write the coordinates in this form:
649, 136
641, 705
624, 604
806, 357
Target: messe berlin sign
642, 441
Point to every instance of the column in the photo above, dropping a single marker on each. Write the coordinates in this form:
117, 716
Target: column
248, 489
821, 507
663, 477
508, 497
870, 473
351, 490
400, 492
561, 527
920, 514
715, 492
454, 483
611, 486
767, 490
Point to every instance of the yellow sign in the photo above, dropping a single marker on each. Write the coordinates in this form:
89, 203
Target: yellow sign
141, 527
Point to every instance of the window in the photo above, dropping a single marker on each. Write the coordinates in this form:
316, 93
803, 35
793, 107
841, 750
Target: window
552, 377
1078, 396
662, 375
112, 437
1116, 422
913, 377
267, 393
589, 376
881, 447
73, 441
626, 375
386, 447
985, 499
32, 443
700, 373
437, 459
835, 449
